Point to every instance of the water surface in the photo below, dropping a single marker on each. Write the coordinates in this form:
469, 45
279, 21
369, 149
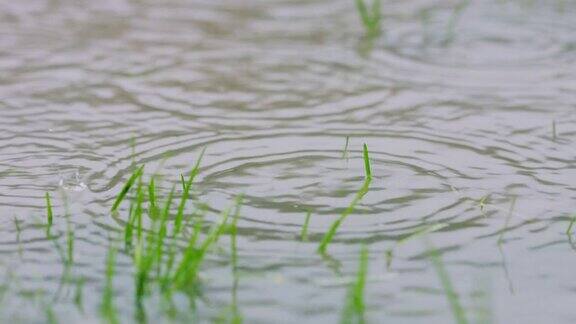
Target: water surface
272, 89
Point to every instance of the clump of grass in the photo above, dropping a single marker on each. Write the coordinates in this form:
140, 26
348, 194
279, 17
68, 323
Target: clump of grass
304, 232
327, 239
355, 305
186, 272
153, 261
371, 17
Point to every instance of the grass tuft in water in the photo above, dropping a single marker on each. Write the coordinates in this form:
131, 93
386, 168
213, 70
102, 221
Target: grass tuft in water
355, 305
371, 17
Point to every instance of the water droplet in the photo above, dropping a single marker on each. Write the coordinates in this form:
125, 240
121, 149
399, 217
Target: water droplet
72, 182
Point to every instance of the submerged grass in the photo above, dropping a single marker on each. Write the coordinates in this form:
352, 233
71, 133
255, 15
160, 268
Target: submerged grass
418, 233
304, 232
507, 222
327, 239
107, 307
345, 150
449, 291
355, 308
453, 21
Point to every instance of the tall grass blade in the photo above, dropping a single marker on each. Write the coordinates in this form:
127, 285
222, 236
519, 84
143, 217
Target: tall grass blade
354, 311
367, 167
49, 213
107, 308
327, 239
127, 187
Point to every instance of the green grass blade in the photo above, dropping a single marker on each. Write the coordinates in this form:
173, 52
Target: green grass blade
355, 305
127, 187
234, 232
367, 168
152, 204
70, 244
107, 307
363, 13
49, 213
327, 239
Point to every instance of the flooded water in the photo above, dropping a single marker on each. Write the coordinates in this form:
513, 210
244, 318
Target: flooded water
469, 117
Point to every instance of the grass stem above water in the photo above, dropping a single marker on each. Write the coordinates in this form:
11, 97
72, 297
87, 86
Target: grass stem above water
367, 167
327, 239
135, 175
49, 213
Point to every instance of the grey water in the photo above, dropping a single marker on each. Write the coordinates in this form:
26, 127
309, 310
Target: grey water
451, 112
